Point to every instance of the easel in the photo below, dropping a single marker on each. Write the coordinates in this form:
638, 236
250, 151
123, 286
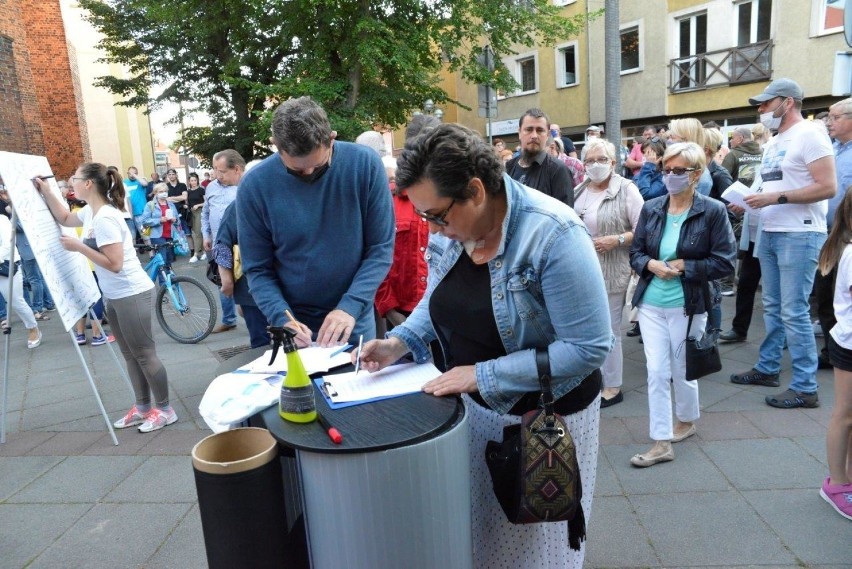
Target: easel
8, 331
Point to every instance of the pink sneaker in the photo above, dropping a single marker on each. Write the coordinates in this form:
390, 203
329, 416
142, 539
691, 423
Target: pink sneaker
157, 419
134, 417
839, 496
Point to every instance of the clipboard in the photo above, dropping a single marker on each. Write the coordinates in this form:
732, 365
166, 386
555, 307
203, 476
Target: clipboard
323, 387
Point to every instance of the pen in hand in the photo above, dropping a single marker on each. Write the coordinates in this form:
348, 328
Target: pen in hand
358, 355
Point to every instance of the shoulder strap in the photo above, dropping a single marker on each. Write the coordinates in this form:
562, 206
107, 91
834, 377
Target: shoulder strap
542, 364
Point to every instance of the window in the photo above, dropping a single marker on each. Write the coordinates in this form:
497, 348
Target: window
566, 65
631, 52
524, 70
828, 16
753, 21
690, 69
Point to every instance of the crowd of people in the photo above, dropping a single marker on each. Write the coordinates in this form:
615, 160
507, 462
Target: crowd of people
474, 256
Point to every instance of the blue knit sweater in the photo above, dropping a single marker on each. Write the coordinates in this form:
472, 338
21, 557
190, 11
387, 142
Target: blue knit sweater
312, 248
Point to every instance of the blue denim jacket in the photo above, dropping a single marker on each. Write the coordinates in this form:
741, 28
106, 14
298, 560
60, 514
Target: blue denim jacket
547, 290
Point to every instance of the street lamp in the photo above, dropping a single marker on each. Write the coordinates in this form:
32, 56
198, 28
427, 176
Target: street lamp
430, 109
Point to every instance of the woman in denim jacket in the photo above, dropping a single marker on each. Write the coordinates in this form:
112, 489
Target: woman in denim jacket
160, 215
510, 270
682, 242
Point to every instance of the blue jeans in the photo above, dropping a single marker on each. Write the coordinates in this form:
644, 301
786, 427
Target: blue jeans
39, 297
256, 324
788, 263
229, 311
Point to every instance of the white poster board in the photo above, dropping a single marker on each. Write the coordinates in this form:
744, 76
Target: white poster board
66, 273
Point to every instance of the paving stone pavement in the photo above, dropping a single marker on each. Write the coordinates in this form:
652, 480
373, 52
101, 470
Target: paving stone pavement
743, 492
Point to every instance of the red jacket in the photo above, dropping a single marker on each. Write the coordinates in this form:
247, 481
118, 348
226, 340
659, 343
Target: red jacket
405, 284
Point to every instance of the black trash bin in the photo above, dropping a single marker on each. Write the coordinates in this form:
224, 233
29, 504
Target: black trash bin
241, 499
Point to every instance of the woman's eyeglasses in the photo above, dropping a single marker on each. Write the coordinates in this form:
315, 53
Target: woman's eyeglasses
601, 160
678, 171
436, 218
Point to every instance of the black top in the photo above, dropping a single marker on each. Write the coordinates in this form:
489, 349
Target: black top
461, 309
463, 315
176, 190
546, 174
194, 197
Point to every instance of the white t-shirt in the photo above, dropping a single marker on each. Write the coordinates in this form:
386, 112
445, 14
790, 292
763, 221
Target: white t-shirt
785, 167
106, 228
842, 331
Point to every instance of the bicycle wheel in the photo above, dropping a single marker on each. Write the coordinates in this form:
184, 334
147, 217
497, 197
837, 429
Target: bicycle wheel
193, 317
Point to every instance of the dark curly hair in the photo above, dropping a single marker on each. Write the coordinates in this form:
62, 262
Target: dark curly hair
450, 155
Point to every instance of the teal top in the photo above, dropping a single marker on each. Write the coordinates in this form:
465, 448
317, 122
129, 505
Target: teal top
667, 293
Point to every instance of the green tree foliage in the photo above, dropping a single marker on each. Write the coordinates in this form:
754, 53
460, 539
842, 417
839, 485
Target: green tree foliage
365, 61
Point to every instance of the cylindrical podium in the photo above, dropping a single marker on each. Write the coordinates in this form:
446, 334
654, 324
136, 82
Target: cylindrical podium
405, 507
395, 493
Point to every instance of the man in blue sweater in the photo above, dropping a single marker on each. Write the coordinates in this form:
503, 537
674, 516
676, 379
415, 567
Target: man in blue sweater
316, 228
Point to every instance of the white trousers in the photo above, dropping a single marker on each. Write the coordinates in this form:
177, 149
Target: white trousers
613, 366
664, 337
18, 304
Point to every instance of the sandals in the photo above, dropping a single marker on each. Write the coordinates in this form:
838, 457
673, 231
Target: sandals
40, 316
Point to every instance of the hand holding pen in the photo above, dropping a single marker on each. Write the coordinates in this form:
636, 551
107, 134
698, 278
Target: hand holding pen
358, 354
303, 333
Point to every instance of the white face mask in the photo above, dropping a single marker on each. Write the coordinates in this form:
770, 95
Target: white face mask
770, 121
162, 195
676, 184
598, 172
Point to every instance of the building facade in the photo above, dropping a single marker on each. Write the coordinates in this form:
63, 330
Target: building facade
680, 58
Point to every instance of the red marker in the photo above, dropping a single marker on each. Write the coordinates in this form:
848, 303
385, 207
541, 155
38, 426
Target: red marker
333, 433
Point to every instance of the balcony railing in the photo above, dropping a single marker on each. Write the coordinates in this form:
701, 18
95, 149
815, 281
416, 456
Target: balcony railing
733, 66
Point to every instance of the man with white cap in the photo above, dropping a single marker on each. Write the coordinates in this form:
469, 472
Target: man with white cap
594, 131
798, 175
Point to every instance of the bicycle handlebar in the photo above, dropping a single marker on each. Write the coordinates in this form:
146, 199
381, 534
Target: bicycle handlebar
153, 247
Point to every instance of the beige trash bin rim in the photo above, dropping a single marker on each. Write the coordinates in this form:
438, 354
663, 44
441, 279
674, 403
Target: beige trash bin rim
234, 451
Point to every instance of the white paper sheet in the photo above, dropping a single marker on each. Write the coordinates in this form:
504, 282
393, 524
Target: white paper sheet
66, 273
736, 194
315, 359
393, 380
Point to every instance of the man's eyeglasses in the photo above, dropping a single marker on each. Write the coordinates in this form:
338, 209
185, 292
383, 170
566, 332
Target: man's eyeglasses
601, 160
678, 171
832, 118
436, 218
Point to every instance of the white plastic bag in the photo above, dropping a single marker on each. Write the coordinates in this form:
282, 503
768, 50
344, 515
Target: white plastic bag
234, 397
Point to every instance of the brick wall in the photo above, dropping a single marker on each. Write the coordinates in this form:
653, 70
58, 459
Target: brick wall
37, 95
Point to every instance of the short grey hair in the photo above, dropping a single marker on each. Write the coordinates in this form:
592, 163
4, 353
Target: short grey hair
374, 140
596, 143
691, 152
300, 126
845, 105
743, 131
232, 158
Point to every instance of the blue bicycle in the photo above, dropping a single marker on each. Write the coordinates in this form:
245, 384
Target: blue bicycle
185, 307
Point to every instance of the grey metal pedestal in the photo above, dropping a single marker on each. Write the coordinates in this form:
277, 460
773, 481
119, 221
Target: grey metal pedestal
407, 507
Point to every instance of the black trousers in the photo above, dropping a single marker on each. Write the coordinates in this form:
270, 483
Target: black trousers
824, 293
746, 288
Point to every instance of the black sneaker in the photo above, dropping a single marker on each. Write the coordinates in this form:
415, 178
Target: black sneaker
634, 331
792, 399
754, 377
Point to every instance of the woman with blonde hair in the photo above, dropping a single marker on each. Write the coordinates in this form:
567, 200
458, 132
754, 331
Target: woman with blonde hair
837, 252
682, 241
691, 130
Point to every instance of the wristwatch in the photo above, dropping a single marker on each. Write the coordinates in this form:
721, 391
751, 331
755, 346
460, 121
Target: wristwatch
621, 239
782, 199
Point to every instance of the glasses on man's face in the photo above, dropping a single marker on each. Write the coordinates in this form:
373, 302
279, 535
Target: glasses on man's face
436, 218
601, 160
837, 117
678, 171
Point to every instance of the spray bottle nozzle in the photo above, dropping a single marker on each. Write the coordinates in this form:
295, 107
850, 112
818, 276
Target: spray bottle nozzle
281, 336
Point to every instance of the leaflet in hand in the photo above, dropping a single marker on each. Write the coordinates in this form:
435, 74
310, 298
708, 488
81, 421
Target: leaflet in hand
316, 360
736, 194
394, 380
